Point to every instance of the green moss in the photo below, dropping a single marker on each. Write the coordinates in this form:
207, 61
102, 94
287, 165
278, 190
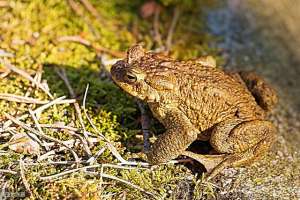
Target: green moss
30, 30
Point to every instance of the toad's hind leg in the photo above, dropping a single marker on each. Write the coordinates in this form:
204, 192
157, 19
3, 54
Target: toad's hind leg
239, 143
243, 158
244, 142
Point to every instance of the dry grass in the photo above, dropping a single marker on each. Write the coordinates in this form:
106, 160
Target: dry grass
61, 139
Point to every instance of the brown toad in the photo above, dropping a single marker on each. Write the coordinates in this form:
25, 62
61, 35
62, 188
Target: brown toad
195, 100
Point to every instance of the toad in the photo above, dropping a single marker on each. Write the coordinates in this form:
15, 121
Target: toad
195, 100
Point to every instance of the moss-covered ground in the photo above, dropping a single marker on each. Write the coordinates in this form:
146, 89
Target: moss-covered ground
38, 37
31, 39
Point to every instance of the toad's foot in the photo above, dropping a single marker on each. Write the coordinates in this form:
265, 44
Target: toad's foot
208, 161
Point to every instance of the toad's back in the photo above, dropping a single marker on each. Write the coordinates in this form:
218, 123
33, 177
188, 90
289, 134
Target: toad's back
207, 95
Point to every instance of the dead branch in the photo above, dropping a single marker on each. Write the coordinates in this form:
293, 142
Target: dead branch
5, 53
23, 177
59, 126
80, 12
68, 128
8, 171
4, 4
76, 39
70, 143
128, 183
69, 162
76, 8
98, 49
38, 126
157, 35
172, 28
92, 10
50, 153
145, 123
86, 143
26, 127
21, 99
30, 100
55, 176
7, 124
24, 74
38, 75
29, 135
62, 74
5, 73
38, 111
92, 159
108, 143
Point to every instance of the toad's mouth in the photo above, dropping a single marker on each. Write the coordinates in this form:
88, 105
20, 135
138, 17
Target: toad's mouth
139, 89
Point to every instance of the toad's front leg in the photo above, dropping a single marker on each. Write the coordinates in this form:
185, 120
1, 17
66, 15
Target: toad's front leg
179, 135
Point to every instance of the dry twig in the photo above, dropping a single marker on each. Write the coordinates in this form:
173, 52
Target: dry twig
145, 123
5, 53
24, 74
26, 127
157, 35
70, 143
38, 75
30, 100
4, 73
38, 111
4, 4
55, 176
98, 49
80, 12
50, 153
172, 28
7, 124
76, 8
38, 126
59, 126
8, 171
108, 143
21, 99
71, 130
92, 10
92, 159
86, 142
23, 177
18, 138
69, 162
128, 183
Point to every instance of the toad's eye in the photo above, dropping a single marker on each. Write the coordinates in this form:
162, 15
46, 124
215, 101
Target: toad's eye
131, 77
